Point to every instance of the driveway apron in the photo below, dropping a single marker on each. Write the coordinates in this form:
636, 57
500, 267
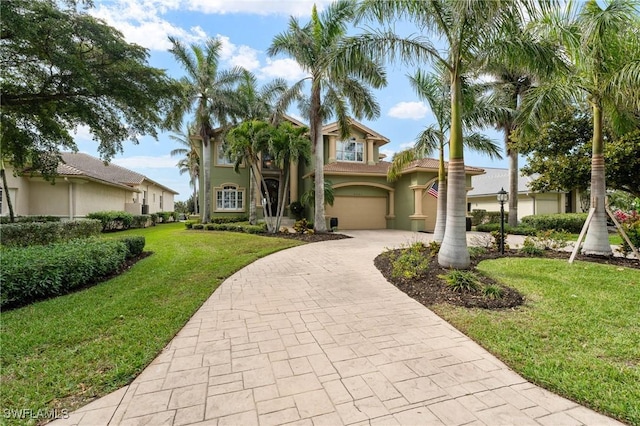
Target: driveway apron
315, 335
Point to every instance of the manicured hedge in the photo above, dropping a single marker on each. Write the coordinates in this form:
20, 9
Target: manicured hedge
21, 219
135, 244
569, 222
249, 229
113, 220
37, 272
518, 230
140, 221
40, 233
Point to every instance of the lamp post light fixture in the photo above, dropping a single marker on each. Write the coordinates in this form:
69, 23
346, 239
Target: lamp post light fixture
503, 197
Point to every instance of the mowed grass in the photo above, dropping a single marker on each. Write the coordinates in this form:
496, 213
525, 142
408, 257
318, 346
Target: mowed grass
63, 352
578, 334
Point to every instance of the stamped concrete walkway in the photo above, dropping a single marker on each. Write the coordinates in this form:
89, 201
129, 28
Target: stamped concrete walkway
314, 335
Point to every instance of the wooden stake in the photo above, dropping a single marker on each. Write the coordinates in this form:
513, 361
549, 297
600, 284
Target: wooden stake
624, 234
583, 232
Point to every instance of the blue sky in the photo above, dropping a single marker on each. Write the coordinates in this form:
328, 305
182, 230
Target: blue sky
246, 28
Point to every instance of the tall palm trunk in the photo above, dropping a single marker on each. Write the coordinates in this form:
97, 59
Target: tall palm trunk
453, 252
206, 159
441, 203
513, 180
252, 197
597, 240
319, 223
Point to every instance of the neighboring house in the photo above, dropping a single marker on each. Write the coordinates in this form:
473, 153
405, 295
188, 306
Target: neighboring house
364, 199
483, 196
85, 184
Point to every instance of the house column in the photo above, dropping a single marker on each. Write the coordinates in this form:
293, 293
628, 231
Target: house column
392, 203
418, 220
370, 160
293, 181
332, 149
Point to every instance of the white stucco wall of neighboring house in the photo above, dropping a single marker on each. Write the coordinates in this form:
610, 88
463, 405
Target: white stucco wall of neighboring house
92, 197
490, 203
158, 198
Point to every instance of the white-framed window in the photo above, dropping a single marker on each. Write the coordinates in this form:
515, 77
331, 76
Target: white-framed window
230, 198
350, 151
221, 159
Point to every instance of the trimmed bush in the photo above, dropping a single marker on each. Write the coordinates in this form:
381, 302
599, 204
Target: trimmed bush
569, 222
518, 230
483, 217
42, 233
234, 227
37, 272
135, 244
140, 221
113, 220
166, 216
229, 219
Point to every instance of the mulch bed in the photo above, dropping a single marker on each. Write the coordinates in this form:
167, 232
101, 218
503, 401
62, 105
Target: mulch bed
430, 289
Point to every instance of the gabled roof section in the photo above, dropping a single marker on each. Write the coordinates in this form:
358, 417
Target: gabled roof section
294, 121
332, 128
85, 165
432, 164
494, 179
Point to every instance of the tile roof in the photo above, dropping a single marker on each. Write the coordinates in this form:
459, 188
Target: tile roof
80, 164
333, 127
382, 167
494, 179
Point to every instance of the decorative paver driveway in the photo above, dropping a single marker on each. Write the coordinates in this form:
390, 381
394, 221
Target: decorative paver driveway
315, 335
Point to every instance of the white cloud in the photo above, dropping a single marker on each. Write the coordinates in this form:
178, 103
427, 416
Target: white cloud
83, 134
256, 7
240, 56
410, 110
140, 23
283, 68
147, 162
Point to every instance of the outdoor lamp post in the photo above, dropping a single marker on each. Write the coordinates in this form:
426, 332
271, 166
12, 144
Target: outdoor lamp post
503, 197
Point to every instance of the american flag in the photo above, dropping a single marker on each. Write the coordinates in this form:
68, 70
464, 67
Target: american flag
433, 190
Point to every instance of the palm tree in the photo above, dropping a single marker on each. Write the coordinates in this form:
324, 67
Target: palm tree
244, 144
190, 163
470, 30
338, 84
209, 91
435, 90
602, 46
261, 103
288, 144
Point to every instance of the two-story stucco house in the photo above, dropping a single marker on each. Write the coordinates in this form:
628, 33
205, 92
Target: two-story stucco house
364, 198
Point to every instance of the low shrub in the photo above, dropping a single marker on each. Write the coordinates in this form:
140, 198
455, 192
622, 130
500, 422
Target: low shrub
198, 226
630, 222
531, 247
462, 280
434, 248
113, 220
410, 262
229, 219
483, 217
37, 272
569, 222
23, 219
518, 230
297, 210
135, 244
140, 221
475, 251
493, 291
154, 219
499, 240
166, 216
42, 233
234, 227
302, 226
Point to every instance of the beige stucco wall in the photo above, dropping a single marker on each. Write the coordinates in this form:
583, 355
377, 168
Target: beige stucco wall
546, 203
154, 192
19, 193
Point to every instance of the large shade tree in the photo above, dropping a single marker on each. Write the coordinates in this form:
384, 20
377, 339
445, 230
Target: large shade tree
601, 41
339, 84
471, 31
209, 91
435, 90
82, 73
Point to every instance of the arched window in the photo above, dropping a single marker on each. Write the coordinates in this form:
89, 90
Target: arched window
229, 198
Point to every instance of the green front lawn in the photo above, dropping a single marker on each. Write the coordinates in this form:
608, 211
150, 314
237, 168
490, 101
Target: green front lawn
578, 334
63, 352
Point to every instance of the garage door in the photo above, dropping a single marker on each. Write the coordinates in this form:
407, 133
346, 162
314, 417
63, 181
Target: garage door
359, 212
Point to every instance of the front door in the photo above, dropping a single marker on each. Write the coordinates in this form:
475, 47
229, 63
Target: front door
272, 187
